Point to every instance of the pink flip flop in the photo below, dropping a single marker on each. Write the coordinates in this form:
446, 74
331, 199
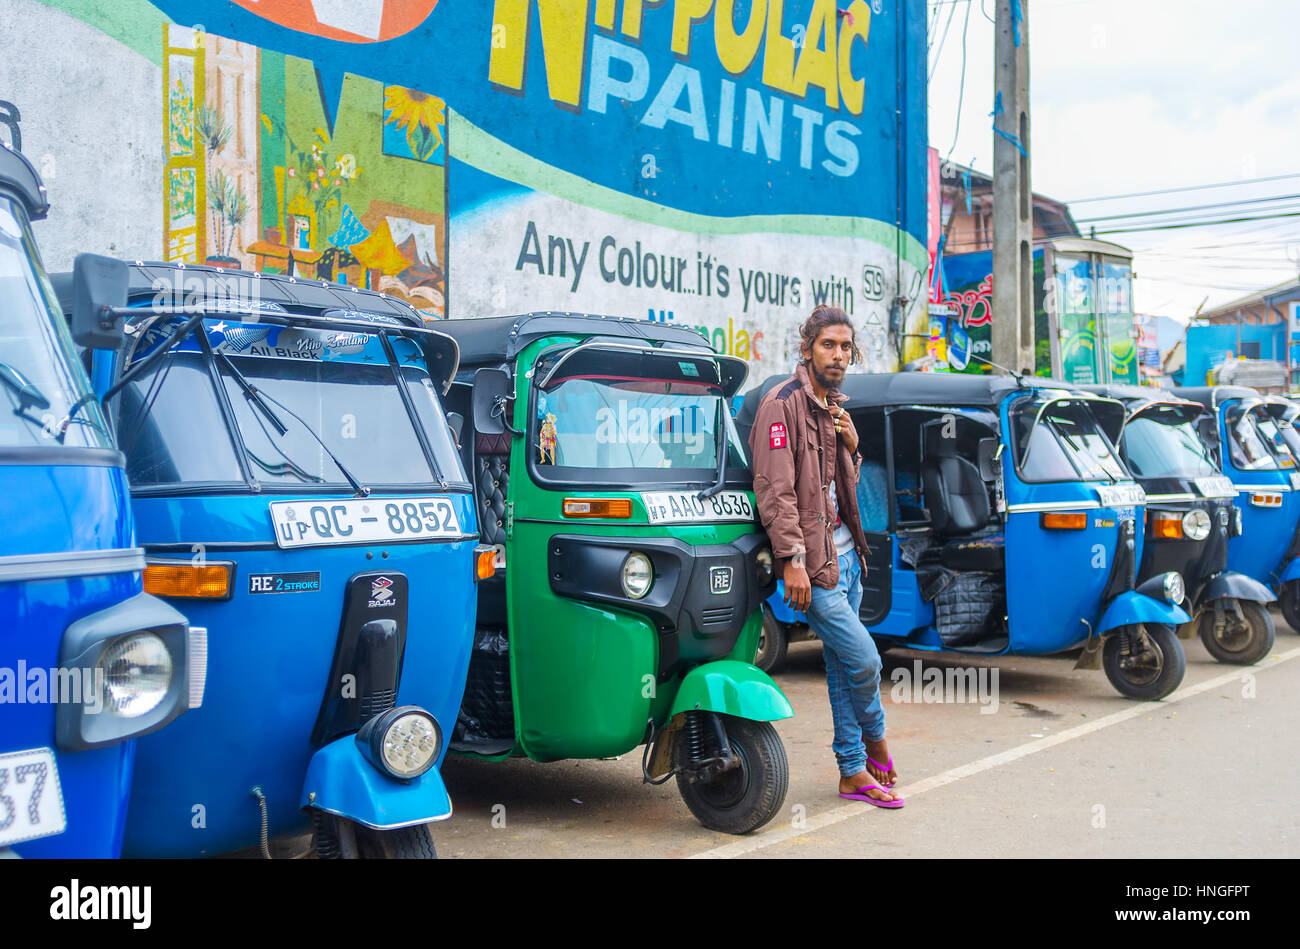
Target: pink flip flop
861, 795
884, 768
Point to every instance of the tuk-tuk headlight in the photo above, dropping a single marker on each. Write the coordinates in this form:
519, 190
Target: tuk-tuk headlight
1174, 590
637, 575
403, 742
136, 672
763, 560
1196, 524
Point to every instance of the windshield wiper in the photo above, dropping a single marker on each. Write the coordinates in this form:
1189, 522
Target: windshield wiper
361, 490
254, 396
722, 454
24, 388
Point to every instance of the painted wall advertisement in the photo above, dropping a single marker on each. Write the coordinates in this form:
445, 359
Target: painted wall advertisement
726, 164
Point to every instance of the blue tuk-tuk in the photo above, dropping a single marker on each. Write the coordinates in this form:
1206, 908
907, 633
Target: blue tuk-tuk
1191, 521
298, 490
88, 661
1258, 452
1001, 520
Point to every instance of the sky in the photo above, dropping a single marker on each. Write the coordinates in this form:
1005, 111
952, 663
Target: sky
1140, 95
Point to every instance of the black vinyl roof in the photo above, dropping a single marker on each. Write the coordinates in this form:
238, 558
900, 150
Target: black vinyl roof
1213, 396
18, 177
908, 388
190, 284
495, 339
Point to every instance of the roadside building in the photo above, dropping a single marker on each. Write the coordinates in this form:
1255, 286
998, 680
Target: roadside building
1252, 340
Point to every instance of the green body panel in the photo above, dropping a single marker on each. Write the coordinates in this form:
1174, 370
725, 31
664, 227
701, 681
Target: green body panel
732, 688
583, 675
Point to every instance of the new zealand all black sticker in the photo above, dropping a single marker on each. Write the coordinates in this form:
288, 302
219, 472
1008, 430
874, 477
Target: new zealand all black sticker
284, 582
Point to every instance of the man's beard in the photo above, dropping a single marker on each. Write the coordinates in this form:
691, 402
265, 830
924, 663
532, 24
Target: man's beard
823, 381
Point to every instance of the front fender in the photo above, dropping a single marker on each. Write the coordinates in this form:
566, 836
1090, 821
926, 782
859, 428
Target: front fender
1291, 571
1238, 586
1131, 607
341, 781
731, 687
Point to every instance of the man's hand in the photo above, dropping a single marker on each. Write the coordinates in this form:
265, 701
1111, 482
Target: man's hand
798, 588
847, 431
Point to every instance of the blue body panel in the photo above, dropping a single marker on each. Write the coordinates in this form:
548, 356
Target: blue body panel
1131, 607
64, 508
269, 658
1291, 571
341, 781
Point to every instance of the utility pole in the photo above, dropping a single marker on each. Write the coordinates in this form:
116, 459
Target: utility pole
1013, 228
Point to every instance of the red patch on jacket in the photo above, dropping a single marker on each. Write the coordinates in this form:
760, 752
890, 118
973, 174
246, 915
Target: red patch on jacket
776, 435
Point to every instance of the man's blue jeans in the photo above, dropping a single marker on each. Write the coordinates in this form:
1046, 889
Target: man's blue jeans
852, 666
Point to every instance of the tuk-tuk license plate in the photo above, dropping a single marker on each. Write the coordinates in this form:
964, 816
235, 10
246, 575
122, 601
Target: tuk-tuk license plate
362, 520
1216, 486
31, 800
678, 507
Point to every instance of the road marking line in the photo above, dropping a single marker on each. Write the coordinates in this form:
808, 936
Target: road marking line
771, 838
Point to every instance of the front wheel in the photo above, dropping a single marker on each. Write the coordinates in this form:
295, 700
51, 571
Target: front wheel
1289, 601
1139, 671
772, 642
1241, 642
334, 837
745, 797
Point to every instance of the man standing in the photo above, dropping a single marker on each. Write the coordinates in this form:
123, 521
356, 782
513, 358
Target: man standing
806, 466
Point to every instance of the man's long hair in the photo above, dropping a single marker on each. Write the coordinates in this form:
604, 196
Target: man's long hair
822, 317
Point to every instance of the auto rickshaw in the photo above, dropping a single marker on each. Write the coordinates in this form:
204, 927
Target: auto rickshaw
1250, 434
297, 490
1002, 521
624, 605
1190, 520
88, 660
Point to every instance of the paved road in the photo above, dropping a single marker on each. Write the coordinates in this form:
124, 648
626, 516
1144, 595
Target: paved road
1063, 767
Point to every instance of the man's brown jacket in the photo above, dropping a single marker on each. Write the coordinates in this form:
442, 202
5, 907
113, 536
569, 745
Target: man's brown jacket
796, 455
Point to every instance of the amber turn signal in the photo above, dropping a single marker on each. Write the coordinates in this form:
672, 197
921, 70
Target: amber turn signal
1169, 527
485, 564
1067, 522
208, 580
597, 507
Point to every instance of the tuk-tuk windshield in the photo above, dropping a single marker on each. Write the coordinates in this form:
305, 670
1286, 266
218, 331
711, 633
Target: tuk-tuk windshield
173, 428
620, 431
1162, 443
39, 373
1254, 442
1061, 441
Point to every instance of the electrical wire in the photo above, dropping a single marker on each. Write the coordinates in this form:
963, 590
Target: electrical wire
961, 88
1144, 194
1172, 227
939, 49
1190, 207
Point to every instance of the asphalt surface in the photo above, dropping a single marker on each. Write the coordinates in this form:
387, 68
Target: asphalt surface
1062, 767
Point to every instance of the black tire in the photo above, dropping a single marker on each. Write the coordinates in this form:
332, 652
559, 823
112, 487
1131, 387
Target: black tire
773, 642
1289, 601
1243, 649
405, 843
747, 797
1151, 676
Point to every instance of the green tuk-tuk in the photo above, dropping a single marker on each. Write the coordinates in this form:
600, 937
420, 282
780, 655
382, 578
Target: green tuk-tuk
623, 605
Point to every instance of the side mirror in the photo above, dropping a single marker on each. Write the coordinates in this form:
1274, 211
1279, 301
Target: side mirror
99, 284
493, 392
988, 453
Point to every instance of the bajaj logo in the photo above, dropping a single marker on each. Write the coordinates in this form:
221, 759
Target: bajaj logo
381, 593
720, 579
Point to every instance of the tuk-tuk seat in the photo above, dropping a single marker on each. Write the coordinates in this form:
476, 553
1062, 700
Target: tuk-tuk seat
874, 497
492, 481
955, 494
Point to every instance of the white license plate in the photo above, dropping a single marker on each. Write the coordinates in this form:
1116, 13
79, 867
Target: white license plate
1120, 495
31, 801
1216, 486
362, 521
683, 507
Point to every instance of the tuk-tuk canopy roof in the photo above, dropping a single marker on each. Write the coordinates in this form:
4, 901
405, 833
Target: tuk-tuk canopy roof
496, 339
909, 388
250, 293
1137, 398
1213, 396
19, 178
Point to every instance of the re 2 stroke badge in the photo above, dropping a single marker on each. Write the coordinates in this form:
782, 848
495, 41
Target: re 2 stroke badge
305, 582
